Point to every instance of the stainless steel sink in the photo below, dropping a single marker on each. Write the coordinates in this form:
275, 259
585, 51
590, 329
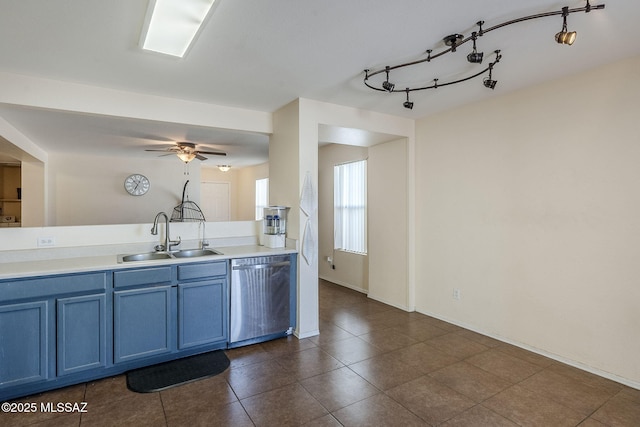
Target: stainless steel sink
144, 257
150, 256
193, 253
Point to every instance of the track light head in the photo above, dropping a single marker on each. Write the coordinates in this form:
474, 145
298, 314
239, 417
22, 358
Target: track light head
564, 36
388, 86
408, 104
475, 57
491, 84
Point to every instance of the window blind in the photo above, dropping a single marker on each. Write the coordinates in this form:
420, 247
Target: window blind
262, 197
350, 206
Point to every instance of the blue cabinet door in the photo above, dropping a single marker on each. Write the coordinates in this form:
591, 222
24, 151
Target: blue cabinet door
202, 313
82, 337
23, 343
142, 323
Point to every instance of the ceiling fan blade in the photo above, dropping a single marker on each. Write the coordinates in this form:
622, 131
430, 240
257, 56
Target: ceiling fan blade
168, 149
215, 153
199, 157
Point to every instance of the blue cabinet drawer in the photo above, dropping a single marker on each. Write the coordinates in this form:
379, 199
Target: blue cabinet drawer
51, 286
200, 270
142, 276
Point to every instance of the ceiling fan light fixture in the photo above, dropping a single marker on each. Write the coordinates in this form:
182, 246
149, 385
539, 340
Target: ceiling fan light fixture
224, 168
171, 25
186, 157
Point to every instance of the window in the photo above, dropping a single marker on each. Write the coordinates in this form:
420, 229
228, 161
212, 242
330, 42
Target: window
262, 196
350, 206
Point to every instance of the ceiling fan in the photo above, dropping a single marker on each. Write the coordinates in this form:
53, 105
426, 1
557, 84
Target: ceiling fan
187, 151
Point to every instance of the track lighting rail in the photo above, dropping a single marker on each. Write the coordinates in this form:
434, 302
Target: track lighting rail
454, 41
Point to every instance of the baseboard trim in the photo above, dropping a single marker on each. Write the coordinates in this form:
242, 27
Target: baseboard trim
345, 284
558, 358
306, 334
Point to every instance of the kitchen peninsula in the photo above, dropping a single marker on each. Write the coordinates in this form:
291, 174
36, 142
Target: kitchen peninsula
73, 318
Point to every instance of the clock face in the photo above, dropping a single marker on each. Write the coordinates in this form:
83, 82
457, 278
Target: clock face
136, 184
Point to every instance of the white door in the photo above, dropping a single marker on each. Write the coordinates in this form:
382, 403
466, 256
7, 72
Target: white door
215, 201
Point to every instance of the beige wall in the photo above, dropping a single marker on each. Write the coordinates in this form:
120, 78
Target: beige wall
33, 194
388, 223
87, 190
293, 150
352, 270
245, 191
529, 204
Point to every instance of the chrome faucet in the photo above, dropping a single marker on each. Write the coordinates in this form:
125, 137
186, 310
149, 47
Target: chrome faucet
203, 243
168, 243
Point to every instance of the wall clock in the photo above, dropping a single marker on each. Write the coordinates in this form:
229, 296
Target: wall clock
136, 184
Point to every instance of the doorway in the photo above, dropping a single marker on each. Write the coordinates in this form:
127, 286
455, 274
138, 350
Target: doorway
215, 201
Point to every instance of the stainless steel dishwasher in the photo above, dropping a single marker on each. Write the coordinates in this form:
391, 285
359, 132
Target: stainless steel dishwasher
260, 299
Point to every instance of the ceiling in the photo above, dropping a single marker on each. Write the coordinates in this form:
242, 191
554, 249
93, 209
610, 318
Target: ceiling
261, 55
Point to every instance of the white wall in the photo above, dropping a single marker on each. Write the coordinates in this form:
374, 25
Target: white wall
529, 204
352, 270
388, 216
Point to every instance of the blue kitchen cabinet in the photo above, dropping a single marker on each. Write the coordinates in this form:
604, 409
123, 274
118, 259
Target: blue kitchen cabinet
28, 332
81, 325
24, 355
202, 304
143, 322
202, 313
148, 321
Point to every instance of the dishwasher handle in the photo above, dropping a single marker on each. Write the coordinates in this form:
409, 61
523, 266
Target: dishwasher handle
260, 266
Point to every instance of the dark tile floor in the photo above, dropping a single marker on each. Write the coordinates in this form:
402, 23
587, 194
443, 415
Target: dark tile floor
372, 365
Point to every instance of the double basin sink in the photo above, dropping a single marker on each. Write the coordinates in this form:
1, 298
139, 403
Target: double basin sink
186, 253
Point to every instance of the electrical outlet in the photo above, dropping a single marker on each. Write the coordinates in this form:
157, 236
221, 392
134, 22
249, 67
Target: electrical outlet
46, 242
456, 293
330, 260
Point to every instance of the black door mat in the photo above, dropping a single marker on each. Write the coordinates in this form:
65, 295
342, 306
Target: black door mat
176, 372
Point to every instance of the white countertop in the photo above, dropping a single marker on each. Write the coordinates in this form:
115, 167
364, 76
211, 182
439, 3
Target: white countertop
11, 270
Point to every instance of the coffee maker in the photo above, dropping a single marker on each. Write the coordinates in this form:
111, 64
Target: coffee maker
274, 226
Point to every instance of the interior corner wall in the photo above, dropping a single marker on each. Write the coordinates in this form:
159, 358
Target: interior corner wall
351, 270
529, 205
